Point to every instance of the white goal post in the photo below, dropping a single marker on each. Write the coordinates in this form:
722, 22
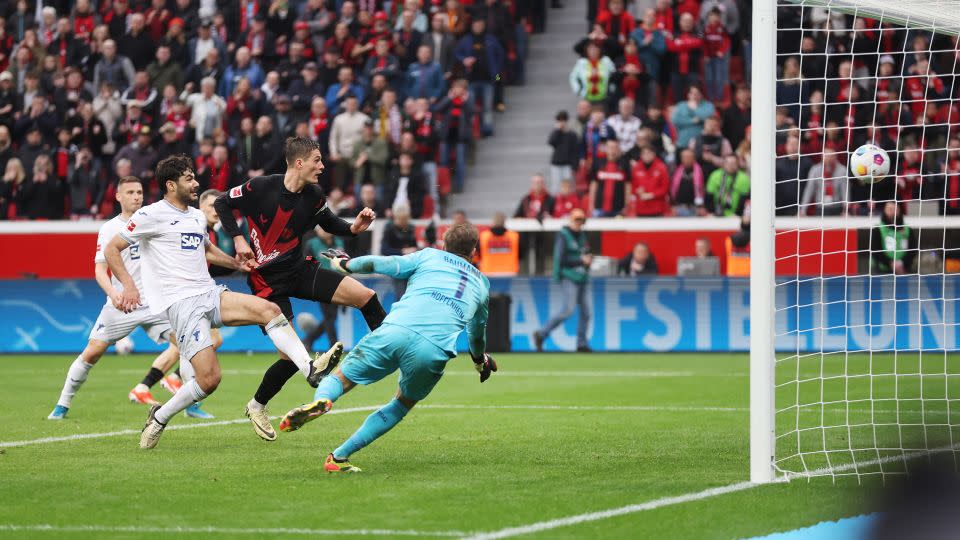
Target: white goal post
854, 363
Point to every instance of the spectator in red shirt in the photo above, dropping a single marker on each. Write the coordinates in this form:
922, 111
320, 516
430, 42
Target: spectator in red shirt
83, 20
566, 200
686, 52
923, 84
616, 22
536, 204
157, 17
342, 43
609, 182
650, 183
910, 175
716, 48
664, 14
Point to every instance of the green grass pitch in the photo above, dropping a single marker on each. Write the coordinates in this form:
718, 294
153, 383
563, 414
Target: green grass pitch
548, 437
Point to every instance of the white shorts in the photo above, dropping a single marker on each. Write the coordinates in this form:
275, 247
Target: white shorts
192, 318
113, 325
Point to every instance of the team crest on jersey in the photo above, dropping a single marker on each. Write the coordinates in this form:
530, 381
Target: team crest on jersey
236, 192
131, 226
190, 240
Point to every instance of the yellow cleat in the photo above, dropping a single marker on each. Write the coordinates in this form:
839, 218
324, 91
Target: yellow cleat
331, 465
296, 418
324, 364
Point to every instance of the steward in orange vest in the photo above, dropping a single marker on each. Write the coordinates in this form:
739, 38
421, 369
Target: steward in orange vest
499, 249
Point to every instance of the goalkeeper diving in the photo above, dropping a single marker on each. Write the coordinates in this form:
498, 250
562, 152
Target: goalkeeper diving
445, 295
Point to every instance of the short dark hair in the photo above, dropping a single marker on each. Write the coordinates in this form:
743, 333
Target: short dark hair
128, 180
172, 168
562, 116
299, 148
210, 193
461, 239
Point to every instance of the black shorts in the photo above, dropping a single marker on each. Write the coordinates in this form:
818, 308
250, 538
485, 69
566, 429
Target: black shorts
307, 281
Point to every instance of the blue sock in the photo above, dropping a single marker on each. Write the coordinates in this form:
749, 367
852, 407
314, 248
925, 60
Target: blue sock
330, 388
378, 423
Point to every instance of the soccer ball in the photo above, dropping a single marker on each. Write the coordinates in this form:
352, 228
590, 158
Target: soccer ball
124, 346
869, 163
307, 322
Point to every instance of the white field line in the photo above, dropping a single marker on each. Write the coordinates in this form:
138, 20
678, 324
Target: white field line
689, 497
80, 436
613, 512
136, 529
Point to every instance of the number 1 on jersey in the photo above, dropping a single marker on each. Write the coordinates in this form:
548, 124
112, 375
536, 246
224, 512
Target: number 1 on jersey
461, 285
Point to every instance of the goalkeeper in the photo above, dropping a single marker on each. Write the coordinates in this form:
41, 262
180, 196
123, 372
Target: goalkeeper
445, 294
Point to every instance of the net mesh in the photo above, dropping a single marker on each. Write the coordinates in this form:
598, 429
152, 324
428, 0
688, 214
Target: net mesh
867, 369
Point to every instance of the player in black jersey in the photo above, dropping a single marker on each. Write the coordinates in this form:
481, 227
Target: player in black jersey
279, 209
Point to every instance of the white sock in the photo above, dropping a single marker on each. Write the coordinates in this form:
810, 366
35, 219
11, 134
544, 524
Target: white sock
186, 370
75, 376
189, 393
281, 333
255, 405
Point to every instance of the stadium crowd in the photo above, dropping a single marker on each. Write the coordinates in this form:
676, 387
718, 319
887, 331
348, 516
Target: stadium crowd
662, 123
396, 92
662, 126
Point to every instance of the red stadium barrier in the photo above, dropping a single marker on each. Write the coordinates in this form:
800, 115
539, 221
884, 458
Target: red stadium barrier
62, 255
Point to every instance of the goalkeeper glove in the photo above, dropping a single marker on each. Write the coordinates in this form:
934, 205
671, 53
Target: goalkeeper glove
338, 259
484, 366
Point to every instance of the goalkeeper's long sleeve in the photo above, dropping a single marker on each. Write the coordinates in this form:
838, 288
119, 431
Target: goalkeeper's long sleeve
395, 266
477, 330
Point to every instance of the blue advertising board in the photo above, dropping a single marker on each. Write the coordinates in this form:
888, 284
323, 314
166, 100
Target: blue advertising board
660, 314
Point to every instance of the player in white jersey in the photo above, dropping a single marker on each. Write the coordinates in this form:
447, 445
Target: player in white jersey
113, 324
174, 252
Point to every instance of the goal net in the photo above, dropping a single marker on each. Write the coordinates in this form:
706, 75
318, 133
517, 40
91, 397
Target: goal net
866, 372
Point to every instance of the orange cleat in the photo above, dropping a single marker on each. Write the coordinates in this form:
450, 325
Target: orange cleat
142, 396
296, 418
172, 383
331, 465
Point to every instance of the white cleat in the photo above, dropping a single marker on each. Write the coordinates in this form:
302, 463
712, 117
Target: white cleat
261, 423
152, 430
324, 364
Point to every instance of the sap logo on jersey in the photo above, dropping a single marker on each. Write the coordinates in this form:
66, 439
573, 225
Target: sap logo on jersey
190, 240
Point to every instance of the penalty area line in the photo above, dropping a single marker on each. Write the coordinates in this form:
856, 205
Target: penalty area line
137, 529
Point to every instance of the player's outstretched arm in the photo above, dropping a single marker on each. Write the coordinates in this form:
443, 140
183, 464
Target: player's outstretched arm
130, 297
395, 266
218, 257
337, 226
